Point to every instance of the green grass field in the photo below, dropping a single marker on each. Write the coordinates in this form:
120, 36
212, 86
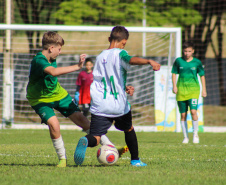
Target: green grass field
28, 157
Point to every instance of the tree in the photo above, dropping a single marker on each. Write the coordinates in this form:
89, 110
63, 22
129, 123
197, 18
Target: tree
100, 12
30, 12
212, 13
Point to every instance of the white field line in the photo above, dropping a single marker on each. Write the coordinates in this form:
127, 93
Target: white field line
213, 129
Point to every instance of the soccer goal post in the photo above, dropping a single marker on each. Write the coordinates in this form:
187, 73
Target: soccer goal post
161, 44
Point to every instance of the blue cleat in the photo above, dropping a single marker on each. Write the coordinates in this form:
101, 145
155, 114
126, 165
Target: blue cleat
80, 151
137, 163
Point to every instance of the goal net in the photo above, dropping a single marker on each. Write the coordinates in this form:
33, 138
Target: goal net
18, 48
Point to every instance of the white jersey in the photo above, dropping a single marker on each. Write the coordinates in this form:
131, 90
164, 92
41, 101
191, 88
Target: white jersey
108, 96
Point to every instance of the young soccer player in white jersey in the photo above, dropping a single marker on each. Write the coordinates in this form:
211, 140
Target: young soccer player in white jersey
108, 96
187, 88
44, 93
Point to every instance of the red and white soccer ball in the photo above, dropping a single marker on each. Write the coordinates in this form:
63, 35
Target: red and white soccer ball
107, 155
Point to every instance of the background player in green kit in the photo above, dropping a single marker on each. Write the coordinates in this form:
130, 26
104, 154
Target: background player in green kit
44, 93
187, 89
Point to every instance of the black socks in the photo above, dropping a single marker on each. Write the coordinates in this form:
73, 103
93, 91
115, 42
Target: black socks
92, 141
131, 141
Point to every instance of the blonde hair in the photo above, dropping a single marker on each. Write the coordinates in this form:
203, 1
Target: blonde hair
51, 38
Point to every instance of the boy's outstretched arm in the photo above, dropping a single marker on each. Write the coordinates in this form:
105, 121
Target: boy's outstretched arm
203, 80
141, 61
64, 70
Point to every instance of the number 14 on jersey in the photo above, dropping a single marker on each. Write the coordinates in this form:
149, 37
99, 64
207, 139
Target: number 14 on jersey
113, 89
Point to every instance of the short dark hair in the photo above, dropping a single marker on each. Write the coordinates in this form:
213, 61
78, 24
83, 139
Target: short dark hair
119, 33
51, 38
188, 44
88, 60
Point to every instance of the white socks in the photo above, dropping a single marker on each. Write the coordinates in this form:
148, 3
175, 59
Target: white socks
105, 141
184, 128
59, 147
195, 127
195, 131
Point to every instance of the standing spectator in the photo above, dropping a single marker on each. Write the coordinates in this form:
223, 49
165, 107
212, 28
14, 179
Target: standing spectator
83, 82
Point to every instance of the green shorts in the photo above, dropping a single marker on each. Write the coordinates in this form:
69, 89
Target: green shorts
183, 105
65, 106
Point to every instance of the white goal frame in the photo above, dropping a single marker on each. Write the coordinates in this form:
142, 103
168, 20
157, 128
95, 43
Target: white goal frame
8, 94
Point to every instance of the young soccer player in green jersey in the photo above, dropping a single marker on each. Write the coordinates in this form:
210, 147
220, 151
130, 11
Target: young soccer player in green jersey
187, 88
44, 93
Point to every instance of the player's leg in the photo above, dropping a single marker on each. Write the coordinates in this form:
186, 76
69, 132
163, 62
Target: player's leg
99, 126
71, 110
47, 115
124, 123
193, 104
54, 130
131, 141
85, 109
79, 119
83, 143
184, 127
183, 108
121, 149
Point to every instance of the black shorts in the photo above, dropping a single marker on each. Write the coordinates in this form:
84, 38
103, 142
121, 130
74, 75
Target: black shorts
100, 124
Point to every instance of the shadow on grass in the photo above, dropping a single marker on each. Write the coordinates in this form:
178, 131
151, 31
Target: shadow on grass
27, 164
99, 165
70, 166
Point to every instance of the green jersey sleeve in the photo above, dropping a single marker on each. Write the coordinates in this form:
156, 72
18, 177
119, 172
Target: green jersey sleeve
42, 64
175, 68
125, 56
200, 69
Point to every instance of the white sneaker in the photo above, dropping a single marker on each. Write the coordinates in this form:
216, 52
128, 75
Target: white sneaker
195, 139
186, 140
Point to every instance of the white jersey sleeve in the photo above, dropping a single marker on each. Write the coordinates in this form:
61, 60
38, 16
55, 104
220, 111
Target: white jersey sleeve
108, 96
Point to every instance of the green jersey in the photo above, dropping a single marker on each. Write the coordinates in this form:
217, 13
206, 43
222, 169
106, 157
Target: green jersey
188, 84
42, 87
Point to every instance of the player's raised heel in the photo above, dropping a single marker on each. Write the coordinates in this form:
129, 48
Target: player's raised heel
137, 163
62, 163
80, 151
122, 150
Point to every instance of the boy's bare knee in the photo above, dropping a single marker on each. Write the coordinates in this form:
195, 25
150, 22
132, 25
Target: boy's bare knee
193, 112
183, 116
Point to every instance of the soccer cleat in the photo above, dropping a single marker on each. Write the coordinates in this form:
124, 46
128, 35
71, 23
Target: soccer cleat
80, 151
195, 139
122, 150
62, 163
137, 163
186, 140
